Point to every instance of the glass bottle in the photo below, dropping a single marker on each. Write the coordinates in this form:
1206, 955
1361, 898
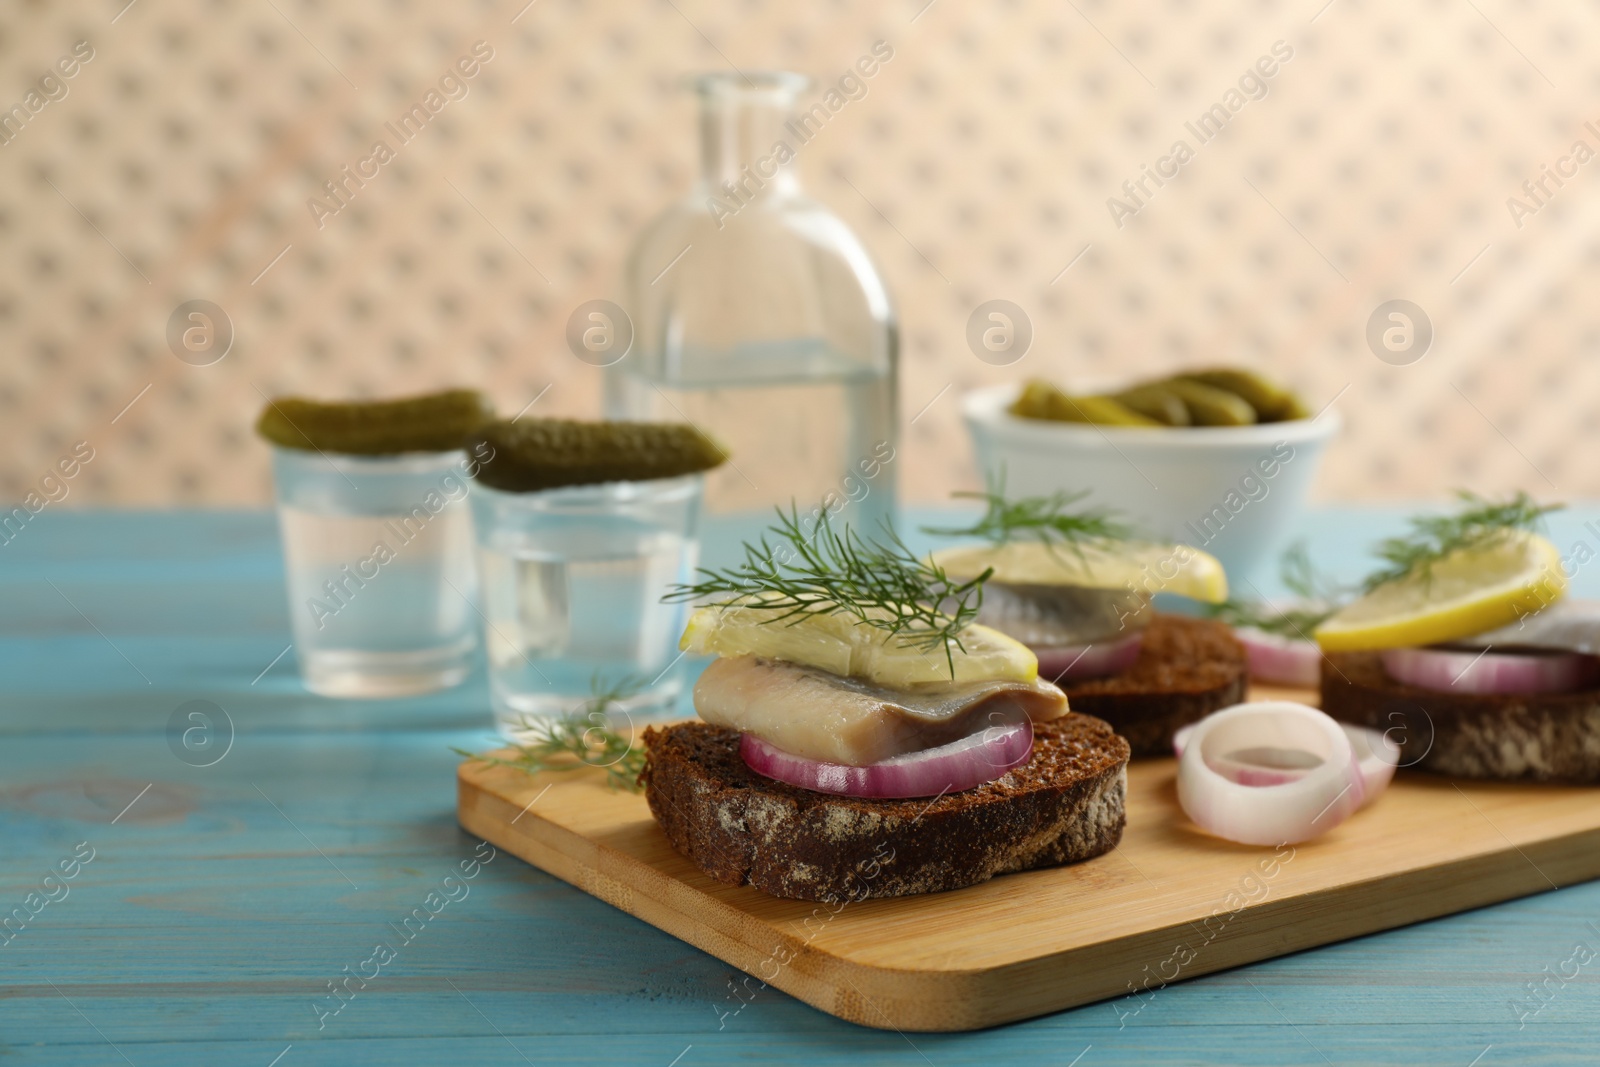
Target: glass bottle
759, 317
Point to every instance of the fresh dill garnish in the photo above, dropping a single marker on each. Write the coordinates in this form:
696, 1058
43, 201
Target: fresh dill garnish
1318, 596
1046, 519
1038, 518
1298, 576
878, 583
582, 738
1480, 523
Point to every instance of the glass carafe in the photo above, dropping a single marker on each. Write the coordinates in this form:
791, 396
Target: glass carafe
759, 317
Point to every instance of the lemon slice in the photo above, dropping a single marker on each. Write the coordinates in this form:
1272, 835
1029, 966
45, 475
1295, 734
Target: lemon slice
1140, 566
841, 645
1467, 592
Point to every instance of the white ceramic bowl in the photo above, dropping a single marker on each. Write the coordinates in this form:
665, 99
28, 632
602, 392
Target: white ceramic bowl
1235, 491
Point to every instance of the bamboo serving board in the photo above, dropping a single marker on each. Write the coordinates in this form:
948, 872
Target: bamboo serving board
1169, 903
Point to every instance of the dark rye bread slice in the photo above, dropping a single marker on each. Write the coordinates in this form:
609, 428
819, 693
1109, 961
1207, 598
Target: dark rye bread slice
1187, 668
1541, 737
1065, 804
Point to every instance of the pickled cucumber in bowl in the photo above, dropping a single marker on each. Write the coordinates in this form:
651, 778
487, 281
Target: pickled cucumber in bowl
1218, 396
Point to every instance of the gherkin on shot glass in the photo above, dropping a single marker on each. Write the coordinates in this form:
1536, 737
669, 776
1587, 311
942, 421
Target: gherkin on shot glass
582, 528
377, 539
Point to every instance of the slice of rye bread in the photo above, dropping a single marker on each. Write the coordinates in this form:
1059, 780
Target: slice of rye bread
1065, 804
1187, 668
1540, 737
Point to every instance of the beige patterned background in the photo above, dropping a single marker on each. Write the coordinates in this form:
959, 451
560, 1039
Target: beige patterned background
178, 164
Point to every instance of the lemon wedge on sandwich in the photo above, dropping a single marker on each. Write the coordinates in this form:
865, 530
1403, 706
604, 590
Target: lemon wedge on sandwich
841, 644
1469, 591
1136, 566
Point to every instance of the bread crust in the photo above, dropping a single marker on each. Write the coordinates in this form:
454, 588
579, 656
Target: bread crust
1066, 804
1187, 668
1540, 737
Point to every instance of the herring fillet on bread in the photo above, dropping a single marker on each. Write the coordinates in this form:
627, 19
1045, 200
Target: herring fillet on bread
1536, 737
1069, 582
1466, 649
1066, 804
861, 735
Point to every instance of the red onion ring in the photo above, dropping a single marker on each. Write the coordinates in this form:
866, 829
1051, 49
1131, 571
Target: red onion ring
1452, 670
1280, 660
1284, 812
1089, 661
1376, 758
975, 759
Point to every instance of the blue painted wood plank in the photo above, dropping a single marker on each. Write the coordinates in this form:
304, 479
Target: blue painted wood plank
239, 914
217, 908
1184, 1048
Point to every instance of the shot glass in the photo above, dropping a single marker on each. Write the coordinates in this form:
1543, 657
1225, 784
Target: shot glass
378, 555
572, 586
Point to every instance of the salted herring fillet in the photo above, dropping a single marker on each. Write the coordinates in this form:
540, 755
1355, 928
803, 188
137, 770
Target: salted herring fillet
1569, 624
1055, 615
822, 716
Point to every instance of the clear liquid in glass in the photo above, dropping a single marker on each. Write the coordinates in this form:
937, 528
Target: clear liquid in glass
803, 427
759, 317
379, 569
572, 600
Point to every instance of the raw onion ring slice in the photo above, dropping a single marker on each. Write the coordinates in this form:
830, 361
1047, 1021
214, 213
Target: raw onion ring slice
1376, 756
1448, 670
1284, 812
975, 759
1280, 660
1098, 660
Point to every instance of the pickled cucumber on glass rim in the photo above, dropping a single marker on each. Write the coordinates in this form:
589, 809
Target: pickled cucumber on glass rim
1041, 400
435, 422
1272, 402
533, 454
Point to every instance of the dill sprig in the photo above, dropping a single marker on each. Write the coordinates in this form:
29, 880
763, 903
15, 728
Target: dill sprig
1300, 577
878, 583
1048, 520
1319, 597
582, 738
1480, 523
1039, 518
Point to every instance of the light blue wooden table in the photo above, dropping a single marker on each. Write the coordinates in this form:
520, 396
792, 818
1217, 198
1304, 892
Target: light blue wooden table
220, 901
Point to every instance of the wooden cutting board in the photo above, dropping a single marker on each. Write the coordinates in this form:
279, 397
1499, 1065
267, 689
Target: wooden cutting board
1168, 903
